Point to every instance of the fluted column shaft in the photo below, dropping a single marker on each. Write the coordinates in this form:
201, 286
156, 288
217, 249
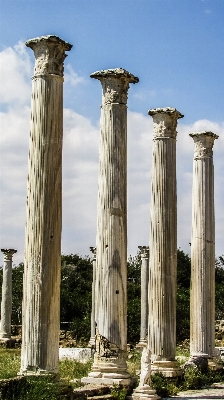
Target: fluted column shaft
93, 319
111, 243
202, 295
42, 265
144, 253
163, 237
6, 304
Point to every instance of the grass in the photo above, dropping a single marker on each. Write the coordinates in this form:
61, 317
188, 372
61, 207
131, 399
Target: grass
39, 387
9, 363
46, 387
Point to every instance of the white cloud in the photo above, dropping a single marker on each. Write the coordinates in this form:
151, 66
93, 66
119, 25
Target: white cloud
16, 71
71, 77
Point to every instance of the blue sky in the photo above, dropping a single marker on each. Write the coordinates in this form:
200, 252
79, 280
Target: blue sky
175, 47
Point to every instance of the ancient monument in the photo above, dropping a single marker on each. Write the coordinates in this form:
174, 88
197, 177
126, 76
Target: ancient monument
111, 260
6, 304
41, 294
93, 322
163, 243
202, 295
144, 253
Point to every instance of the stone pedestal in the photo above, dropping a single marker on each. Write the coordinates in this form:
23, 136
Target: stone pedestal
202, 295
163, 243
42, 264
144, 390
93, 322
111, 260
6, 304
144, 253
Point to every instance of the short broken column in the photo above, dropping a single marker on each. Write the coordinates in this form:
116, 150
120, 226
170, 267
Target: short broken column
42, 264
111, 260
202, 295
6, 304
93, 320
163, 243
144, 253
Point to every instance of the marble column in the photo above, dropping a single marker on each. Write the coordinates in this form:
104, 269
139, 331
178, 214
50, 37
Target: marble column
6, 304
202, 294
144, 253
111, 259
163, 243
42, 264
93, 320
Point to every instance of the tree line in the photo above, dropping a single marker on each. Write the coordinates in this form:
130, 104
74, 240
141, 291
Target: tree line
76, 294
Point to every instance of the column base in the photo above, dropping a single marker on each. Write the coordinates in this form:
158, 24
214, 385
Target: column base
5, 336
34, 371
107, 379
142, 343
109, 370
144, 392
168, 368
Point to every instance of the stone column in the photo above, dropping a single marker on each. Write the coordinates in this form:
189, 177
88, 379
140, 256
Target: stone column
111, 259
144, 253
163, 243
42, 264
202, 295
6, 304
93, 320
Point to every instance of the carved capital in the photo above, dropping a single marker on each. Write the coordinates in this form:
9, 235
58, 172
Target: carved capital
49, 53
165, 122
144, 251
8, 253
115, 83
203, 144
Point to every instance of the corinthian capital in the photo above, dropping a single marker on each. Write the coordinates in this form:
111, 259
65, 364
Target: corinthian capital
144, 251
8, 253
49, 53
203, 144
165, 122
115, 83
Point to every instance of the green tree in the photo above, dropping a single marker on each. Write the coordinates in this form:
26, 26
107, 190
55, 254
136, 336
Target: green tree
183, 295
219, 288
133, 299
76, 294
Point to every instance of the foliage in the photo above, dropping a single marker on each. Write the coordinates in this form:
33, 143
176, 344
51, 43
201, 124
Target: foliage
38, 387
118, 392
134, 299
9, 363
183, 295
70, 369
134, 363
219, 288
76, 294
163, 386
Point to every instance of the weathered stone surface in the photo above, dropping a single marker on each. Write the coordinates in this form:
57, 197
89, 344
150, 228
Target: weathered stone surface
111, 243
144, 390
144, 253
163, 242
6, 304
202, 295
93, 320
40, 332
